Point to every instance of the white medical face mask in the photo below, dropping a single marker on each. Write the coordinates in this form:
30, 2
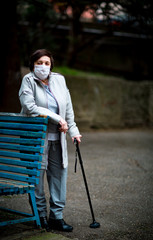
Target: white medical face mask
41, 71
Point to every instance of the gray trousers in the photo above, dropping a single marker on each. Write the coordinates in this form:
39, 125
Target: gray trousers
57, 179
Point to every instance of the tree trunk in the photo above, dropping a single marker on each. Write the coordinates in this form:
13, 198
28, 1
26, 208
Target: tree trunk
74, 37
11, 76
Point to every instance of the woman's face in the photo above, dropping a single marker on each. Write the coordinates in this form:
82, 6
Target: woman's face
44, 60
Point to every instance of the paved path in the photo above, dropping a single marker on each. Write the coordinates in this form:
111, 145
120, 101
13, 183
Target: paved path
119, 170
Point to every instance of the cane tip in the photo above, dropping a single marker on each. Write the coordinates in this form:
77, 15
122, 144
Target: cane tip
95, 225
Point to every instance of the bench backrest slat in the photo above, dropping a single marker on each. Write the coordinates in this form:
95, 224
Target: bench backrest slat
21, 148
24, 141
25, 126
21, 178
27, 156
20, 163
20, 118
19, 170
22, 133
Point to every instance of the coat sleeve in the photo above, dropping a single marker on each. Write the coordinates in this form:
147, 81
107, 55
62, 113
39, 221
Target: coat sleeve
73, 129
29, 107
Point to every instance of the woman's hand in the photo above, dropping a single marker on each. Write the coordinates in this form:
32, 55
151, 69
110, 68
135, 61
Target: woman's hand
64, 126
78, 138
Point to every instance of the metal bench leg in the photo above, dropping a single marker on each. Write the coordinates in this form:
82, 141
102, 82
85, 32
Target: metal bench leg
34, 207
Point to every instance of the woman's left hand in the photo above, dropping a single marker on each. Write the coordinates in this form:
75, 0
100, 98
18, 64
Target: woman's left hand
78, 138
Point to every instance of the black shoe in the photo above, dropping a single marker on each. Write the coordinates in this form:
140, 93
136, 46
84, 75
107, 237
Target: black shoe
44, 223
60, 225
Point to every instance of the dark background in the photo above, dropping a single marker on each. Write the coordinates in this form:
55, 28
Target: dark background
114, 42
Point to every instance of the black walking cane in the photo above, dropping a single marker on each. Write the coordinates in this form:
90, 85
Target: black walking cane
94, 224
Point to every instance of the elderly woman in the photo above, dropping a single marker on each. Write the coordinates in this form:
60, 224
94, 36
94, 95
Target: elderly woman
44, 92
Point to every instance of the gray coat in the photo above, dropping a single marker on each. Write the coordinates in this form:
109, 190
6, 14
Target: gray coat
33, 99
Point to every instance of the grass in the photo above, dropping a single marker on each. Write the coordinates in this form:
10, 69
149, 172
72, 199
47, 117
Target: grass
64, 70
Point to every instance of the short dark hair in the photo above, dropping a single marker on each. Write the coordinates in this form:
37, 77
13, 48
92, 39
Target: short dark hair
38, 54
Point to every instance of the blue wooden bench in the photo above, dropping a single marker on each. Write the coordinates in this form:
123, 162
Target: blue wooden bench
21, 148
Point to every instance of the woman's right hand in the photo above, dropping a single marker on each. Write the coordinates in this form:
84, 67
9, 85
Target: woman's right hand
64, 126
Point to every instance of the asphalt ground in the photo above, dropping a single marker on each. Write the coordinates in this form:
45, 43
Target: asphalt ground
119, 172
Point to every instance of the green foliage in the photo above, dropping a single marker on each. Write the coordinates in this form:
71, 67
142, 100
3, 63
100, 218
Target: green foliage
40, 24
35, 18
64, 70
36, 12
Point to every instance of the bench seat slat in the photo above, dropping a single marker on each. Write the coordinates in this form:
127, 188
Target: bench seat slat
22, 133
20, 163
13, 183
21, 155
21, 148
22, 141
19, 170
25, 126
7, 188
7, 191
30, 180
